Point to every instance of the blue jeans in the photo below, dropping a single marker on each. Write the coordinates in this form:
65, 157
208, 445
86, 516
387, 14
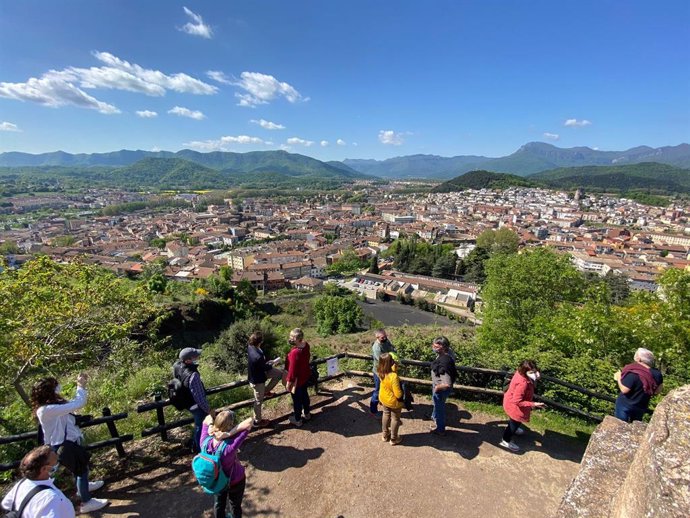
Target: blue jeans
439, 413
374, 404
300, 401
199, 415
628, 414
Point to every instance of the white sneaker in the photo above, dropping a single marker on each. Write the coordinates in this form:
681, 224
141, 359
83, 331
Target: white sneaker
93, 505
95, 485
520, 431
296, 422
510, 445
307, 417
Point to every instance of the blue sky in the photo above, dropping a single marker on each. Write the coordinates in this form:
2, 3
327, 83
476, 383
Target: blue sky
343, 79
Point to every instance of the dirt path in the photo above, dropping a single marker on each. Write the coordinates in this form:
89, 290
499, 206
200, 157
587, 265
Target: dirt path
337, 466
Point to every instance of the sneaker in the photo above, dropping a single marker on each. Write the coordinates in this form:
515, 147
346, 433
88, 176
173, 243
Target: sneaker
296, 422
93, 505
509, 445
261, 424
520, 431
95, 485
306, 417
396, 441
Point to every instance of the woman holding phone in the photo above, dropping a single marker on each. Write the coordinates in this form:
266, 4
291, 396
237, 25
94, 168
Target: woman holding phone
518, 401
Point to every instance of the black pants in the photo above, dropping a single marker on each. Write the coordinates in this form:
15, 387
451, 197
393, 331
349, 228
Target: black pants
300, 402
234, 493
510, 430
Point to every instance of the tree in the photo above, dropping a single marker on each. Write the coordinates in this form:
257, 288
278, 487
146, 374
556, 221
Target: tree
374, 265
472, 267
59, 316
246, 292
444, 267
157, 283
337, 315
9, 248
501, 241
348, 262
521, 288
157, 242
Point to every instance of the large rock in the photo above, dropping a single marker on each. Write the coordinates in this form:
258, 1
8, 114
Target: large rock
658, 481
604, 466
636, 470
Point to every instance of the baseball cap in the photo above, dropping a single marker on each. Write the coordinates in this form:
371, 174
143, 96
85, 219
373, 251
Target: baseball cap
189, 353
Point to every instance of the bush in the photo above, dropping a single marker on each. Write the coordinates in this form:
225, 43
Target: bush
229, 351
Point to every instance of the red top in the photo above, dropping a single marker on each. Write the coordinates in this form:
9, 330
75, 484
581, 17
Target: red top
517, 401
297, 365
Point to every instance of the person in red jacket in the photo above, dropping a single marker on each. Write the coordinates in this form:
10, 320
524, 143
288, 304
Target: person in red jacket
298, 373
517, 401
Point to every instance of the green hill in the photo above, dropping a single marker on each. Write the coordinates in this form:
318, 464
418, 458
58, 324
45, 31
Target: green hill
650, 177
483, 180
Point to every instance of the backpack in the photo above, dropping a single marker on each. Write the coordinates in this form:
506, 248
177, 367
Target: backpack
18, 513
180, 396
208, 470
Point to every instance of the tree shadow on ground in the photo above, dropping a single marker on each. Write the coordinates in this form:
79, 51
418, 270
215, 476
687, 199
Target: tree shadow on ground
276, 457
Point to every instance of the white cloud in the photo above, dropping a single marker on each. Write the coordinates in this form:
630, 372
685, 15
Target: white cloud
263, 88
324, 143
219, 76
53, 90
551, 136
8, 126
155, 149
66, 87
268, 124
293, 141
341, 142
285, 147
391, 138
577, 123
196, 27
146, 114
186, 112
224, 143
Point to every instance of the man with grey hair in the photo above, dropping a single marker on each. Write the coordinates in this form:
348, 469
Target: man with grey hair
637, 382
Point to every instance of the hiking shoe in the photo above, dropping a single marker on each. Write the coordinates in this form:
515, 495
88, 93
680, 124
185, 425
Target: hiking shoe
307, 417
261, 424
509, 445
93, 505
520, 431
95, 485
396, 441
296, 422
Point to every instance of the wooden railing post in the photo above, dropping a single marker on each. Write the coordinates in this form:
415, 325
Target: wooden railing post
113, 432
161, 418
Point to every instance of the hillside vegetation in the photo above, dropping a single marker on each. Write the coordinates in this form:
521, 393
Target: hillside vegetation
483, 180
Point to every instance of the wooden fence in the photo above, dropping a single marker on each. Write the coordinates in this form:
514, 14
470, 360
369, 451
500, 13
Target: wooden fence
108, 418
162, 427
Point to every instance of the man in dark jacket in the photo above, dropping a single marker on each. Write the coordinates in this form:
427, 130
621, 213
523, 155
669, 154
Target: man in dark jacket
186, 369
638, 382
260, 371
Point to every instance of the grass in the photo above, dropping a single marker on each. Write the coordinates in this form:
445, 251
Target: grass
541, 420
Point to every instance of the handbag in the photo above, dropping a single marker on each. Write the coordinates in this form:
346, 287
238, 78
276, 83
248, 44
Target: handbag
74, 457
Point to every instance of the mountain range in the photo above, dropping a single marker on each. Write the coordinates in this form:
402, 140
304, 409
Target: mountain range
531, 158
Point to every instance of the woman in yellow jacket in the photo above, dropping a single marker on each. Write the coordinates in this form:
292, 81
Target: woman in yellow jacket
390, 396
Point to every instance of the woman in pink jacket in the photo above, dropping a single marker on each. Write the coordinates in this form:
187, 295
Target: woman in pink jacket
517, 401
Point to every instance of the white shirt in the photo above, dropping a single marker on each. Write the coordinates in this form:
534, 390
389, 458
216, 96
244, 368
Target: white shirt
57, 422
49, 503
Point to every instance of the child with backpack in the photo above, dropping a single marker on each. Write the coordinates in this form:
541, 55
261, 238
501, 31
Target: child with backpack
216, 467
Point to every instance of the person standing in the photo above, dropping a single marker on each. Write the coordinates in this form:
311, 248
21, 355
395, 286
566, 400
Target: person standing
518, 401
60, 431
186, 370
443, 375
298, 374
638, 382
35, 494
260, 371
213, 433
391, 395
380, 346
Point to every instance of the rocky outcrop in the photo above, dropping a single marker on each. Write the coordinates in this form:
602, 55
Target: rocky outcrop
636, 470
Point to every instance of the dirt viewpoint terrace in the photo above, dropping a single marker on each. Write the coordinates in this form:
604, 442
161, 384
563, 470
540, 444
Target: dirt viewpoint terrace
337, 466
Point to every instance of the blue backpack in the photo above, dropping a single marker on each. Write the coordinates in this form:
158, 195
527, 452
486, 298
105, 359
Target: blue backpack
208, 469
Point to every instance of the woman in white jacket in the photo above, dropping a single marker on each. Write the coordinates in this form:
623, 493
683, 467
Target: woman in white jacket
60, 431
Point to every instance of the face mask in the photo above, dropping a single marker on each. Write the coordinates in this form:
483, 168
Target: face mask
58, 389
53, 470
534, 376
195, 363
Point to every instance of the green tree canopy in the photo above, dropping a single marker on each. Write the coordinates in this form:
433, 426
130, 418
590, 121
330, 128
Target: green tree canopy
337, 315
